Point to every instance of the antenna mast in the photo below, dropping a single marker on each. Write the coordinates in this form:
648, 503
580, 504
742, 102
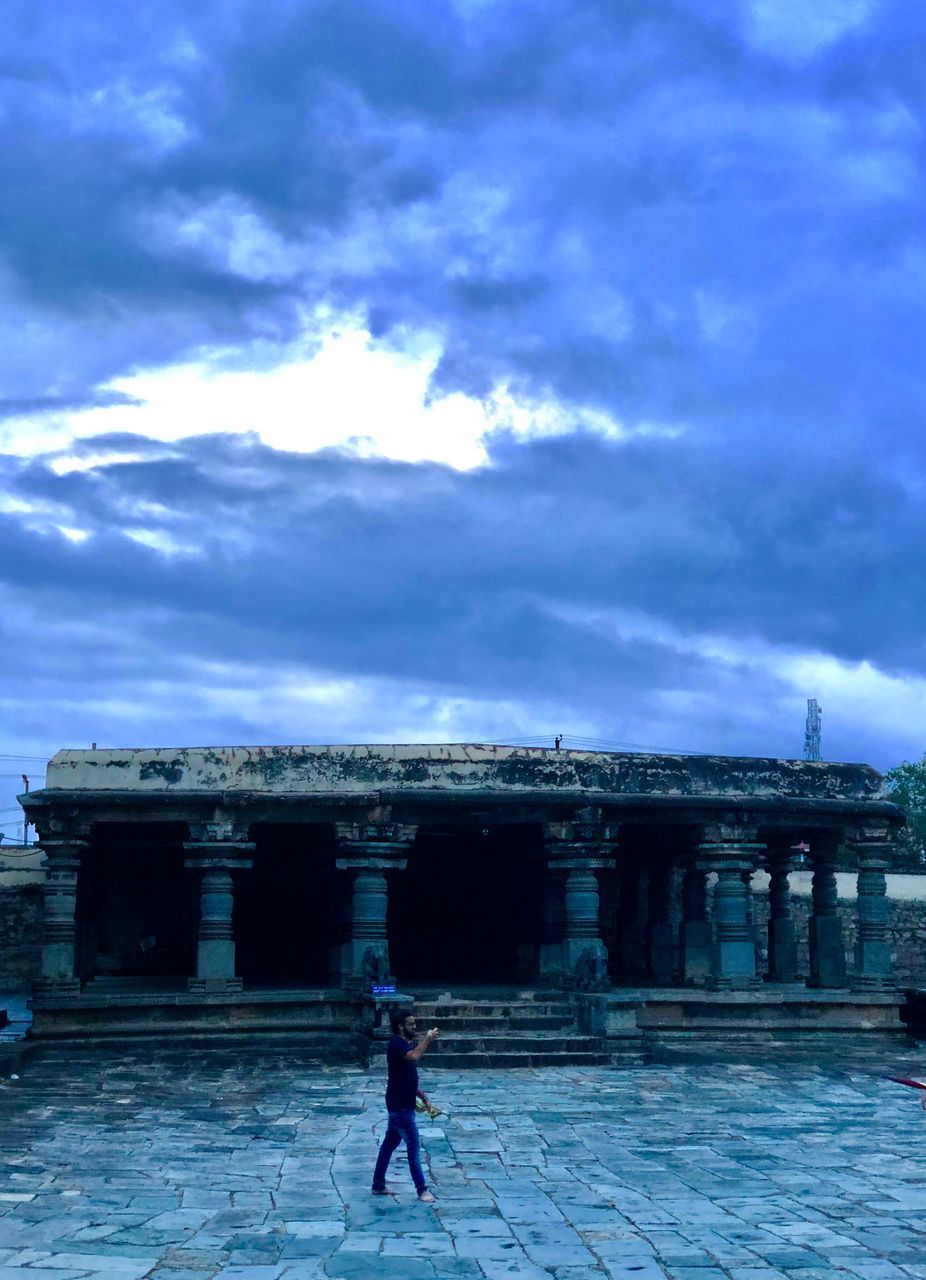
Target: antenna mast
812, 731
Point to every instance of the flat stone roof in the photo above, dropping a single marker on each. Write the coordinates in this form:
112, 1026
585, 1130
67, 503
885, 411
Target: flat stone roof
448, 767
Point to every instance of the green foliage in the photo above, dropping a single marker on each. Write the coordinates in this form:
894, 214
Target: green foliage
907, 787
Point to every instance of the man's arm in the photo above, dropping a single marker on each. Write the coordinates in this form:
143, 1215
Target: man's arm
414, 1055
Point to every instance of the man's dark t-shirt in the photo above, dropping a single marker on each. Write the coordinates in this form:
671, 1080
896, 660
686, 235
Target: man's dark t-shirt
402, 1085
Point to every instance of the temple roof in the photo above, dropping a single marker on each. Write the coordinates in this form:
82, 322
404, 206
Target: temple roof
449, 767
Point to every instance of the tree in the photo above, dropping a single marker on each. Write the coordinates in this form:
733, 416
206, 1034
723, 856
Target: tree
907, 788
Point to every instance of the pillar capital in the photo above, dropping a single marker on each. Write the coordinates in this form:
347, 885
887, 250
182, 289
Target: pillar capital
62, 851
870, 842
218, 855
580, 861
361, 861
587, 845
374, 839
585, 832
220, 828
730, 832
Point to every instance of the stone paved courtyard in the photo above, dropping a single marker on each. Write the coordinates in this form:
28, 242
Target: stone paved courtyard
256, 1164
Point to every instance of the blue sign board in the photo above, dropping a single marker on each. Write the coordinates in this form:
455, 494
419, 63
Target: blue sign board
383, 991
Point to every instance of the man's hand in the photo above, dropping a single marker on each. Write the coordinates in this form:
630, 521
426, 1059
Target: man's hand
423, 1044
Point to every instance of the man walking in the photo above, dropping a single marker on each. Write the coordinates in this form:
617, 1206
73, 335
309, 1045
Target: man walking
402, 1058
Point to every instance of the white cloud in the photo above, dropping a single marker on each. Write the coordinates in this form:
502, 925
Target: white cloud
797, 29
766, 685
347, 391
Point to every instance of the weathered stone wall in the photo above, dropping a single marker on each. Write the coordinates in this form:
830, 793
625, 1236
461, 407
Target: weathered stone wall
21, 886
907, 927
20, 934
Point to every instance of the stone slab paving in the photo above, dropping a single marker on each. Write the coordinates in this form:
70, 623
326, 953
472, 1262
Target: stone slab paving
708, 1163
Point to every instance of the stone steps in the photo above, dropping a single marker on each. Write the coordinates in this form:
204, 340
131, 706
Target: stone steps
440, 1010
498, 1029
493, 1022
473, 1042
473, 1023
514, 1059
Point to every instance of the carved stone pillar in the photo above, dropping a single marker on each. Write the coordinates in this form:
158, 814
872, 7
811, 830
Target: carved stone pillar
730, 851
695, 933
782, 939
59, 978
872, 848
826, 944
216, 852
369, 851
580, 850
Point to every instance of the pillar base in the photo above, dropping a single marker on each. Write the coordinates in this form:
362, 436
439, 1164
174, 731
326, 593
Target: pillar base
56, 988
695, 963
872, 966
782, 952
734, 965
827, 954
214, 986
365, 963
872, 984
550, 966
585, 964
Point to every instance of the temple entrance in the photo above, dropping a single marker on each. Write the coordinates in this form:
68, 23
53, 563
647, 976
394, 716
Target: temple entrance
285, 907
136, 905
467, 907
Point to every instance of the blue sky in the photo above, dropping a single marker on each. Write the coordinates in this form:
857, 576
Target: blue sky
476, 370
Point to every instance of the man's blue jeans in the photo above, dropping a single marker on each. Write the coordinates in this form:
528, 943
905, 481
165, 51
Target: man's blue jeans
402, 1128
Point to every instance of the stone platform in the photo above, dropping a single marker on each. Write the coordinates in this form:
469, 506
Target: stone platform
322, 1018
254, 1163
488, 1026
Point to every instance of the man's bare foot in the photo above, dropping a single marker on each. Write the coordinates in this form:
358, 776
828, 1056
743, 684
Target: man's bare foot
384, 1191
425, 1197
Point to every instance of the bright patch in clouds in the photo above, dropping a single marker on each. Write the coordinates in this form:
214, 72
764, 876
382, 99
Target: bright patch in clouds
798, 30
349, 392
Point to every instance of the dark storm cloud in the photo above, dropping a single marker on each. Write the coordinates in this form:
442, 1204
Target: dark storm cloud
661, 209
634, 205
390, 568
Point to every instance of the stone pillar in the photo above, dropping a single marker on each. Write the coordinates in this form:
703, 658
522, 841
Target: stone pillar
695, 934
216, 849
731, 851
826, 945
216, 860
59, 978
662, 930
579, 849
782, 940
370, 850
872, 848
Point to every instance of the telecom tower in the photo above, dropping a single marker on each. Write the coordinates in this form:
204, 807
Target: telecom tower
812, 731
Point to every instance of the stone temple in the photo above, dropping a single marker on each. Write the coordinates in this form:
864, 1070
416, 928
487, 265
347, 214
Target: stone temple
274, 888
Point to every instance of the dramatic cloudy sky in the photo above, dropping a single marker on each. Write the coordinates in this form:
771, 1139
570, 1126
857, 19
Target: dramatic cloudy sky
469, 369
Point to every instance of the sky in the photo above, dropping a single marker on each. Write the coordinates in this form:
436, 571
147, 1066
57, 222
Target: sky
477, 370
